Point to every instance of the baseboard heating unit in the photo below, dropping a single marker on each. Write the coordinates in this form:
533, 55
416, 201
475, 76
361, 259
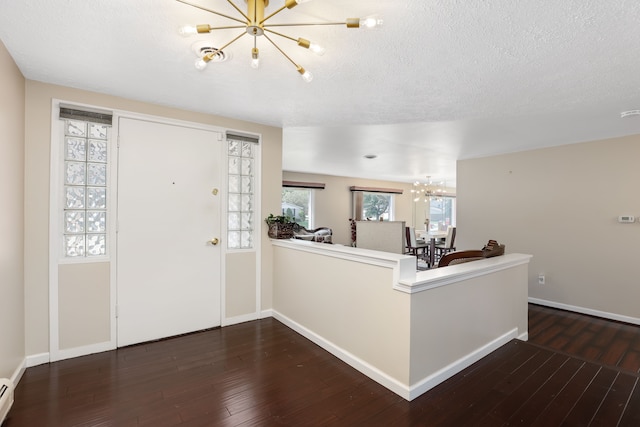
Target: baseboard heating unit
6, 397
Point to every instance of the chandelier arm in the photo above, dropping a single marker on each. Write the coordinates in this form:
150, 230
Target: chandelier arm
274, 13
230, 27
282, 52
220, 49
305, 24
238, 9
212, 11
280, 34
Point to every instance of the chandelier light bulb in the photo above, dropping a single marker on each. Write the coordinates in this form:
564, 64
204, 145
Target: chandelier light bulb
302, 1
370, 22
306, 75
255, 58
201, 64
317, 49
187, 30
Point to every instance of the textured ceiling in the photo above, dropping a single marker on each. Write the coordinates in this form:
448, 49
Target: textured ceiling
442, 79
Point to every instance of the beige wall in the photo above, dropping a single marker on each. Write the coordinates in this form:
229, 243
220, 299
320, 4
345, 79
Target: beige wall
87, 321
561, 205
12, 329
37, 142
350, 304
333, 204
475, 312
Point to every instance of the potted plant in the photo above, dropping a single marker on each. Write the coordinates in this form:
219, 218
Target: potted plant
280, 226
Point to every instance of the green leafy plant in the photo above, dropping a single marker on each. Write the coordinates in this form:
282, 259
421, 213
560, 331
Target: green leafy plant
279, 219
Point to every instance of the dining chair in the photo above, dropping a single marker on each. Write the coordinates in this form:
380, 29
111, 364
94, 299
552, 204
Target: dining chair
419, 250
449, 243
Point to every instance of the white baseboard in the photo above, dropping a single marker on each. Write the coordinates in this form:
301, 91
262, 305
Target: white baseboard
81, 351
589, 311
375, 374
37, 359
402, 390
448, 371
239, 319
266, 313
17, 374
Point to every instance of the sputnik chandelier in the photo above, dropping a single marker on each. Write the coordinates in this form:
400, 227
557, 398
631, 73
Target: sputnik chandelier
254, 23
428, 190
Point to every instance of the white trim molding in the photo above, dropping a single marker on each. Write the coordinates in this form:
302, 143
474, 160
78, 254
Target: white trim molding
447, 372
37, 359
443, 276
239, 319
588, 311
360, 365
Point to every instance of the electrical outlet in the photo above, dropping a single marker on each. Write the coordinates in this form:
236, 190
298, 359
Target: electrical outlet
541, 279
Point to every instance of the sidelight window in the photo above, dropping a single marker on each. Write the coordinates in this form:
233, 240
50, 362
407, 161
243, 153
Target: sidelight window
241, 212
86, 147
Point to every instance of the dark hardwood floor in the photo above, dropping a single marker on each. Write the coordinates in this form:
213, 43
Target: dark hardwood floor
575, 370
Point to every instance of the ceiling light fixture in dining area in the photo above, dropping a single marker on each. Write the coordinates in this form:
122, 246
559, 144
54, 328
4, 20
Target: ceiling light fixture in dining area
427, 190
254, 23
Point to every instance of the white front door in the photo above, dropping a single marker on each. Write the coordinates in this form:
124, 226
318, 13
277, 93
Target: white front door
168, 269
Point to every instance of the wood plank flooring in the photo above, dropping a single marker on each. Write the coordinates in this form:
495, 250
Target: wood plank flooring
575, 370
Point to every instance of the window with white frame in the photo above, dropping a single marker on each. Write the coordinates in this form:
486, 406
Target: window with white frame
85, 187
442, 213
375, 206
297, 204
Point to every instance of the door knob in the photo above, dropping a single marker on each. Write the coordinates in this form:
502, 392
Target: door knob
214, 241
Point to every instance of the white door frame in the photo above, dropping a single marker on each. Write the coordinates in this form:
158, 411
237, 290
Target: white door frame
56, 227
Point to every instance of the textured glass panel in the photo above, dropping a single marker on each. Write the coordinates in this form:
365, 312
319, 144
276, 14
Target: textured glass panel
246, 239
247, 167
75, 128
234, 202
234, 184
74, 222
96, 244
234, 165
76, 149
74, 246
233, 240
75, 173
234, 148
246, 219
74, 197
246, 203
246, 184
241, 170
97, 131
96, 198
97, 174
96, 221
234, 221
247, 149
97, 151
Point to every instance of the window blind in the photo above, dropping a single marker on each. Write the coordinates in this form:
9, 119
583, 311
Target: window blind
87, 115
245, 138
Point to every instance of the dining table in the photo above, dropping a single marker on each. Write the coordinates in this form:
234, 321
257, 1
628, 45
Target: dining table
431, 237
